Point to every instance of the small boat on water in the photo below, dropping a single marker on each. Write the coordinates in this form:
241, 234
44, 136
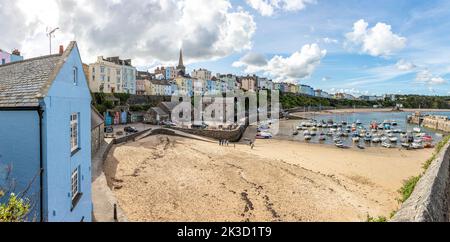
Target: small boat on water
295, 133
313, 133
393, 139
406, 145
356, 139
416, 130
376, 140
308, 137
340, 145
322, 137
306, 132
417, 145
387, 145
368, 138
361, 147
427, 138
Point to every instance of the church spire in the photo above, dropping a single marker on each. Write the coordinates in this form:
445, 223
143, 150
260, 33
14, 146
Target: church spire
180, 61
181, 69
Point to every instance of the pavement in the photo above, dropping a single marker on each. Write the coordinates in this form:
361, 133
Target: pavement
102, 197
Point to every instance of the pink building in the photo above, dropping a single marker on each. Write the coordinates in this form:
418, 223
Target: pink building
6, 57
140, 87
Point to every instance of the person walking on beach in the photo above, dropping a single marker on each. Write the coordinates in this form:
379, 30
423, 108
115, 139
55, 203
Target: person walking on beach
253, 145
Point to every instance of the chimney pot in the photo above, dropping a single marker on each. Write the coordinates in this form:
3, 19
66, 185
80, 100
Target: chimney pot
61, 49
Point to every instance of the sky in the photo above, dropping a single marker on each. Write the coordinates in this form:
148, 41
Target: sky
360, 47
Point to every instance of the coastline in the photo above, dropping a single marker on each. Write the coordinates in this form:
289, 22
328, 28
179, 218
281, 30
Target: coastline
365, 110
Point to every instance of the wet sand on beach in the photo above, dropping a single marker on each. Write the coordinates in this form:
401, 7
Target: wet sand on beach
162, 178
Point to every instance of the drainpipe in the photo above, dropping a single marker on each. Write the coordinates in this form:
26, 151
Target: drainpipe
41, 167
41, 157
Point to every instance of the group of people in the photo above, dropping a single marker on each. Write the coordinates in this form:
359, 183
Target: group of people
224, 142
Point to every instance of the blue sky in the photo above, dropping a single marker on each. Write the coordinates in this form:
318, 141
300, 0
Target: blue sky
360, 47
424, 24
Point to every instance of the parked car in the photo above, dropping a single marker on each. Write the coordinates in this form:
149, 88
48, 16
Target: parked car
130, 129
109, 130
168, 123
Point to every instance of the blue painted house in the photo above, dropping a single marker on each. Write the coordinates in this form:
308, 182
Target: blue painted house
45, 122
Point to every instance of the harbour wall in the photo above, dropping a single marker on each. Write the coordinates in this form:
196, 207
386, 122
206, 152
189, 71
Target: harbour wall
230, 135
437, 122
440, 123
429, 201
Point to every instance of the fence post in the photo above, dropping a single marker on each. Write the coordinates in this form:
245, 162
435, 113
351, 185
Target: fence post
115, 213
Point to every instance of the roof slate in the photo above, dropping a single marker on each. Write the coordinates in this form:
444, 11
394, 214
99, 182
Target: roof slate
21, 82
24, 83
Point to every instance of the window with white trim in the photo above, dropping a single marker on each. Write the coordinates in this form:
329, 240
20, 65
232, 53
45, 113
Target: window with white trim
75, 184
75, 76
74, 132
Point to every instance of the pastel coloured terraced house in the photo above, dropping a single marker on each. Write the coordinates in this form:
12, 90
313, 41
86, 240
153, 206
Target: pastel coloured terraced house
6, 57
45, 130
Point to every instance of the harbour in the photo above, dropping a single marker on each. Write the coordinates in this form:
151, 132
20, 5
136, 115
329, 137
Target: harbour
361, 130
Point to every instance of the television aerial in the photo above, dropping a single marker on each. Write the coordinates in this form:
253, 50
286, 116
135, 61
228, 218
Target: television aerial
51, 34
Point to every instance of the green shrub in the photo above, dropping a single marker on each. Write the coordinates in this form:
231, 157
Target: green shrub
14, 210
376, 220
408, 188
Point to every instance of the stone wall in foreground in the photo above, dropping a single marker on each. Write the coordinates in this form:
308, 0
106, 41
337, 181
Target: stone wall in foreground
430, 200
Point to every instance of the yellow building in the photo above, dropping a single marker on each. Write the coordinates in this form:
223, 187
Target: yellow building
112, 75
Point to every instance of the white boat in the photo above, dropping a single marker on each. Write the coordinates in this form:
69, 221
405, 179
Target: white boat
417, 145
355, 139
387, 145
416, 130
308, 137
306, 132
393, 139
313, 133
376, 140
406, 145
322, 137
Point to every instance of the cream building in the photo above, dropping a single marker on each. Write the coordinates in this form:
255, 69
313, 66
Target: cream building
112, 75
202, 74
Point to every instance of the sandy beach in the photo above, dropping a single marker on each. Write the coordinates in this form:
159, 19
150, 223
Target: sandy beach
162, 178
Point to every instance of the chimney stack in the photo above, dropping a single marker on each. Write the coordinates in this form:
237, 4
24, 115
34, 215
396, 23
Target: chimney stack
61, 49
16, 52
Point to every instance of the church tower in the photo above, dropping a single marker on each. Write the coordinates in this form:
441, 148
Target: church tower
181, 69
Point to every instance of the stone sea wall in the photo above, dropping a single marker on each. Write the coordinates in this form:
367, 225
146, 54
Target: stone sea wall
430, 200
437, 122
230, 135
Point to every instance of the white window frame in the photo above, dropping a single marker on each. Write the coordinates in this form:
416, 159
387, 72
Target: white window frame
75, 76
75, 183
74, 134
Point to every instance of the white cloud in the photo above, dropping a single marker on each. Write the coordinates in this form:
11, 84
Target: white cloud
404, 65
376, 41
299, 65
268, 7
426, 77
148, 31
330, 41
